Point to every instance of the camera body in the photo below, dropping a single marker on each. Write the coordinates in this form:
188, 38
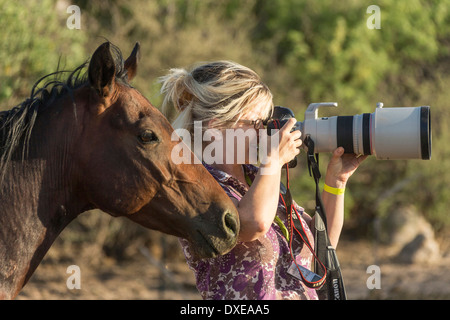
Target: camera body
387, 133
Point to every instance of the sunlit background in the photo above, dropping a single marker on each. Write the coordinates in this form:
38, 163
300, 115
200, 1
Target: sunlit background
306, 51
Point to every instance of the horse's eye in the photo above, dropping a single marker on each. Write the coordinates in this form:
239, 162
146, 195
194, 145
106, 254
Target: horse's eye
148, 136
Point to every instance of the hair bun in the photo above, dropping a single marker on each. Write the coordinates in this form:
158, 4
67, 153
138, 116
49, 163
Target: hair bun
174, 89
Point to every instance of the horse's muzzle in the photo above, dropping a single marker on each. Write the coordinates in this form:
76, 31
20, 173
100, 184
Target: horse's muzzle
214, 237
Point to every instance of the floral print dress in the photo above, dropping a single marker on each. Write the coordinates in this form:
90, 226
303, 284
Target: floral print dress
253, 270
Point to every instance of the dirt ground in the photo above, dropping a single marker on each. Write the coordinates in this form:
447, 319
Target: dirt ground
144, 278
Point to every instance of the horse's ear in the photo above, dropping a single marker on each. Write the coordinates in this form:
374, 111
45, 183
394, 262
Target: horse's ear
102, 70
132, 61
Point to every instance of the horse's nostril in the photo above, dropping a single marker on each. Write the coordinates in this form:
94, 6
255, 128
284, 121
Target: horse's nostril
230, 223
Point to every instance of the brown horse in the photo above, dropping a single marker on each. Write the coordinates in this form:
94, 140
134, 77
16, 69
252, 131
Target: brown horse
96, 142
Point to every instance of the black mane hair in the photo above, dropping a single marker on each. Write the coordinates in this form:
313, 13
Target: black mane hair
16, 125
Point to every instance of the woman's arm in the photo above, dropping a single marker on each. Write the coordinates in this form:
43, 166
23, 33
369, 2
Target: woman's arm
340, 168
259, 205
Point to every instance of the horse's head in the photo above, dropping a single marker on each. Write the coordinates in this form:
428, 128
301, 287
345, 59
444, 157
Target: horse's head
124, 163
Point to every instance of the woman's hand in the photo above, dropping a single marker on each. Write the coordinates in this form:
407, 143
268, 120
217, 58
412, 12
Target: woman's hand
289, 144
341, 167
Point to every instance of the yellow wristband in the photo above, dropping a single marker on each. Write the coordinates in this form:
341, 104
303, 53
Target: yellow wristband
335, 191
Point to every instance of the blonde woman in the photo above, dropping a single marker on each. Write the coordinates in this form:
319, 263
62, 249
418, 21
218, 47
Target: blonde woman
225, 95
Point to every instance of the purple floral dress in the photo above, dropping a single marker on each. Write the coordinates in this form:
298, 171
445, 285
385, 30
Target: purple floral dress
253, 270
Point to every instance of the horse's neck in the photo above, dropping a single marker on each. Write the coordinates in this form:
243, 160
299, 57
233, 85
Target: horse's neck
37, 203
31, 217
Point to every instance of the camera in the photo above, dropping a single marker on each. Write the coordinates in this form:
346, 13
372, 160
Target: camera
387, 133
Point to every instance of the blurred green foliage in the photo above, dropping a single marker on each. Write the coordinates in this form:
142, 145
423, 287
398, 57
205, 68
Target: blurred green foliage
305, 50
34, 38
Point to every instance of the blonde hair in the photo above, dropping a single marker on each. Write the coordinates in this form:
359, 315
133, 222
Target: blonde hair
221, 90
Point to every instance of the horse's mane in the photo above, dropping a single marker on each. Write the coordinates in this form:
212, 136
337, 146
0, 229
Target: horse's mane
16, 125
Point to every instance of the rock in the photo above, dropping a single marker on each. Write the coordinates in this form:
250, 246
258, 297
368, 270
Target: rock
422, 250
411, 237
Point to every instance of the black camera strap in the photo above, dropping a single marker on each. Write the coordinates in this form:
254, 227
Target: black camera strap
333, 288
